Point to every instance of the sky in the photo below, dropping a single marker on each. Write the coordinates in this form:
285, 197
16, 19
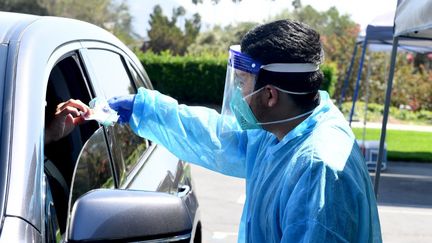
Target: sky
226, 12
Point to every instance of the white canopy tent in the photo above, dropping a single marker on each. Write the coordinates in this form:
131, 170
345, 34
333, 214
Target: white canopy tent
412, 23
414, 19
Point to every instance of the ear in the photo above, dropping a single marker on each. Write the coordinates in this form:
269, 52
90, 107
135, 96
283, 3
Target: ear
272, 96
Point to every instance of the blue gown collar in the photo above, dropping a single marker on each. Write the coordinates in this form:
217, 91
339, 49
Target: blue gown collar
309, 123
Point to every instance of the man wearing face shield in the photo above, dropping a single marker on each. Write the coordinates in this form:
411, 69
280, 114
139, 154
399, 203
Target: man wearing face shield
306, 179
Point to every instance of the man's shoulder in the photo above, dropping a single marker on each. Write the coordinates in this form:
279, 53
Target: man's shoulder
332, 127
331, 143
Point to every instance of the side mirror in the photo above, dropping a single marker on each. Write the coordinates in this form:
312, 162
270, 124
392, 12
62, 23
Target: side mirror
124, 215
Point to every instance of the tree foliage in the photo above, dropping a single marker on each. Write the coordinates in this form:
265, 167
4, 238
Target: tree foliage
164, 34
296, 4
111, 15
412, 82
412, 85
217, 40
23, 6
213, 1
217, 1
338, 34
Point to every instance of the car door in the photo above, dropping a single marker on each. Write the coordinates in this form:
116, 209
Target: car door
138, 163
94, 157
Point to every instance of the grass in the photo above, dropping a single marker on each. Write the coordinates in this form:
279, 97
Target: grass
410, 146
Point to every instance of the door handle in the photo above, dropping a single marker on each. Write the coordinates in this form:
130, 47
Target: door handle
183, 190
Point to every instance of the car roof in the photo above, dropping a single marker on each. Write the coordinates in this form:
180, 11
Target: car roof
13, 23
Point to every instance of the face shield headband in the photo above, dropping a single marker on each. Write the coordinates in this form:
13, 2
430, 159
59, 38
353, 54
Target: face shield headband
245, 63
242, 73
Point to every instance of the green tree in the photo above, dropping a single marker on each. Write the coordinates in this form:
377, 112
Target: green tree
217, 40
23, 6
164, 34
217, 1
121, 24
338, 34
111, 15
296, 4
96, 11
412, 85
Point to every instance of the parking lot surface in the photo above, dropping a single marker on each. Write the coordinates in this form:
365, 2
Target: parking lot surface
404, 203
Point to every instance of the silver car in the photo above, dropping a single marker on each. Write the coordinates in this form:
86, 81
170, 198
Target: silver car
98, 183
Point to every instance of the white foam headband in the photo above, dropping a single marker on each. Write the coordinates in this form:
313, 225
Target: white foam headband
291, 67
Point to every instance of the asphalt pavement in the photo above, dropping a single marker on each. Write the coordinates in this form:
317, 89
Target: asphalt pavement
221, 200
404, 203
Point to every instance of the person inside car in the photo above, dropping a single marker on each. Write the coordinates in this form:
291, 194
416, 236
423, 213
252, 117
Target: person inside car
66, 117
60, 121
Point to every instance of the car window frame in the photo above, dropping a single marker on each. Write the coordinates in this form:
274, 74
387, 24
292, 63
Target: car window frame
72, 50
127, 61
3, 162
142, 74
60, 53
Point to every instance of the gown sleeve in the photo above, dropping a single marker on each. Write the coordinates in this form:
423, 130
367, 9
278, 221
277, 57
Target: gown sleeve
192, 133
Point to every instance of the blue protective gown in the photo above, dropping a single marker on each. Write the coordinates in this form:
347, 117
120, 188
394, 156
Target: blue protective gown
312, 186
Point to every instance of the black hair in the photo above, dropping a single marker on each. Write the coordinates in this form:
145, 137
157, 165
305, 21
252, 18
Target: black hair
286, 41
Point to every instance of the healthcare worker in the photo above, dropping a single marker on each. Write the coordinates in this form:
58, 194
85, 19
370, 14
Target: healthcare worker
306, 179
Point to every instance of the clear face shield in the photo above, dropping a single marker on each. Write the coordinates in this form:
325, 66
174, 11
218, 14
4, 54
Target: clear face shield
239, 83
242, 72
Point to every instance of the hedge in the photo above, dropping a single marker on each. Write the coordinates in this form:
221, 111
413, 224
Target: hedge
199, 79
375, 113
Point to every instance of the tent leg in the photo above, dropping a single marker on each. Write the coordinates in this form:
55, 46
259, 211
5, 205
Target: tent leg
369, 68
385, 116
347, 77
357, 87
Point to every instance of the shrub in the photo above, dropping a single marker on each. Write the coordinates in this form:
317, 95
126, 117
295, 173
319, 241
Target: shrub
188, 79
330, 78
424, 116
375, 113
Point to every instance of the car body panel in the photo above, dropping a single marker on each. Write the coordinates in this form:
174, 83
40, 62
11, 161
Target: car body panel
13, 24
28, 52
147, 180
18, 230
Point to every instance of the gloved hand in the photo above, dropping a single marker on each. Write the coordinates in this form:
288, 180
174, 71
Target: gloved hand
124, 106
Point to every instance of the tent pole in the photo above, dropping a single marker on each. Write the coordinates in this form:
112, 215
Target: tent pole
347, 77
385, 115
357, 87
369, 68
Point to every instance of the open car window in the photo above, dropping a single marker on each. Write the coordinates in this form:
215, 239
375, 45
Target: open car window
113, 78
79, 161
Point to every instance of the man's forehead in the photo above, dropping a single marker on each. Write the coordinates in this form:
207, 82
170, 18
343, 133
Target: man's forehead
244, 74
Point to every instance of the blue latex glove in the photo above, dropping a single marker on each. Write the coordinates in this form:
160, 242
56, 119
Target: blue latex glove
124, 106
